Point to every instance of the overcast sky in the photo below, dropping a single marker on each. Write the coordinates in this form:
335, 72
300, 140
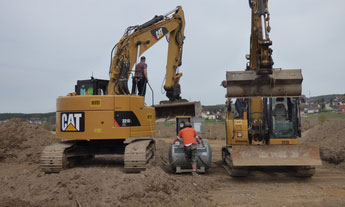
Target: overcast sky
46, 46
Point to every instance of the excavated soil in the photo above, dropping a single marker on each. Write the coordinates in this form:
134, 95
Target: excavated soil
21, 141
330, 137
102, 182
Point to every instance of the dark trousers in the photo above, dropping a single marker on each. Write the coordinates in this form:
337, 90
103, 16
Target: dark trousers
140, 84
191, 153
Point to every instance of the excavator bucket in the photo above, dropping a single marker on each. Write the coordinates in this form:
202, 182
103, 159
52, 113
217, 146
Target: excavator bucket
172, 109
275, 155
250, 84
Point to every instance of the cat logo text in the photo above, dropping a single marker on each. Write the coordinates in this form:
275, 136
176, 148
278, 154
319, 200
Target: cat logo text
159, 33
72, 122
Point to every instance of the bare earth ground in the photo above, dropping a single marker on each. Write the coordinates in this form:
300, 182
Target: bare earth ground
102, 182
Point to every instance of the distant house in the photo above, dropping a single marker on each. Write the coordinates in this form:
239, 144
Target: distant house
339, 100
312, 108
203, 115
341, 109
211, 117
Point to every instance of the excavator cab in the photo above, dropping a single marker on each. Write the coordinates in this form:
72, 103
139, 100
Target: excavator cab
282, 117
91, 87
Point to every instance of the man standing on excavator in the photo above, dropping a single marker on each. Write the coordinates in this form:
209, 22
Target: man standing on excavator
189, 136
140, 77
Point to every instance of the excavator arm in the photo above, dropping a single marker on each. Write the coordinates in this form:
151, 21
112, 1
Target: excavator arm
137, 39
260, 51
260, 78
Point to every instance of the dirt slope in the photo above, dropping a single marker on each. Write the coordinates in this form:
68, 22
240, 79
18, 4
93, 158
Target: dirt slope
21, 141
23, 184
330, 137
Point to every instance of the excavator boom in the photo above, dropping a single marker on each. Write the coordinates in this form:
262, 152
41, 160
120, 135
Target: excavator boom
260, 78
136, 40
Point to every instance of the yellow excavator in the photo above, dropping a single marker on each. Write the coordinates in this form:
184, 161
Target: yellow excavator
102, 117
264, 129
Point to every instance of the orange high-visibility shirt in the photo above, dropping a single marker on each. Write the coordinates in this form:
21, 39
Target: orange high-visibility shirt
188, 135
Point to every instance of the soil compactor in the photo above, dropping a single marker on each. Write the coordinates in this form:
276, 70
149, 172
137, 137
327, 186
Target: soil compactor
264, 131
177, 158
102, 117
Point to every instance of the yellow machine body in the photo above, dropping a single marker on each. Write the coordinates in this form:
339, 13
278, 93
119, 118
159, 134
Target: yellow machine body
265, 129
236, 130
276, 152
103, 117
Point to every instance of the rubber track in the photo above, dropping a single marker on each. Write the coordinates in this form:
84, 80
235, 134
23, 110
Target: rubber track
137, 155
53, 159
230, 169
301, 171
306, 171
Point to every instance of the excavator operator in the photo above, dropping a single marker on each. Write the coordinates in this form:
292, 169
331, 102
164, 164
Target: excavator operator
140, 78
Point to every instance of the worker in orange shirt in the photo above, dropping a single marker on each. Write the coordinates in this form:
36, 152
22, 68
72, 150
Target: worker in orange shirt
190, 138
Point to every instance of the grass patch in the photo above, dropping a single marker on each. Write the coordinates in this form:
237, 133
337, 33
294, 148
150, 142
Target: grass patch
334, 115
167, 124
324, 116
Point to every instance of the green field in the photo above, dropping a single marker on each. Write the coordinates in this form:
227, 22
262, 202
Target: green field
329, 115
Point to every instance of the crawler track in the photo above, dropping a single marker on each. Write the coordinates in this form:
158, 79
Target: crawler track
138, 154
53, 157
228, 166
298, 171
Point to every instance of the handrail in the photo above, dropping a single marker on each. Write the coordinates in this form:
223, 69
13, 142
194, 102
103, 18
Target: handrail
153, 96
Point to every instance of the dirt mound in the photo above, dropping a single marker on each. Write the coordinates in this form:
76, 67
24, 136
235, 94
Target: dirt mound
164, 130
9, 202
21, 141
310, 122
330, 137
215, 131
103, 183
